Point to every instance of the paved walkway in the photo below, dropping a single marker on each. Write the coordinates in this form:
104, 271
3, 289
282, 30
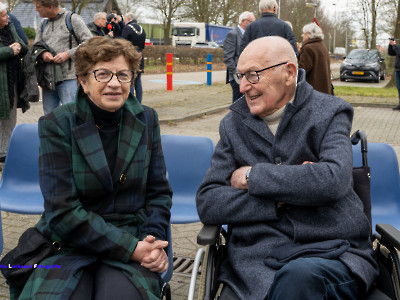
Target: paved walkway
187, 112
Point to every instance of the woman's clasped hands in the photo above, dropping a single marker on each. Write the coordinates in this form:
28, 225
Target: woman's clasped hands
151, 255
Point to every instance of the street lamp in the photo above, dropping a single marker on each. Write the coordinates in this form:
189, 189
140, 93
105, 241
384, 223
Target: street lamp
315, 5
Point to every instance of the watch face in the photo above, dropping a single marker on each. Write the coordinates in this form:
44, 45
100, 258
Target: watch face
248, 174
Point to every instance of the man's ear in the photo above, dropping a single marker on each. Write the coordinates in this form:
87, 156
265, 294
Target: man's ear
291, 73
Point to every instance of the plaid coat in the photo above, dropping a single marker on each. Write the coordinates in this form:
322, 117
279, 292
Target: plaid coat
98, 215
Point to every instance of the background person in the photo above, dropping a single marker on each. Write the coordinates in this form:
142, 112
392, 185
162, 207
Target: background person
12, 49
99, 24
394, 50
232, 51
298, 226
103, 179
268, 25
314, 58
57, 36
135, 33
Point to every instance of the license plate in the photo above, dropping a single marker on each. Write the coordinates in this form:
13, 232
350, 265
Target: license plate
358, 73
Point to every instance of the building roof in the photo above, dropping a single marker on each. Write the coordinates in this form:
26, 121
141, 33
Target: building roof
25, 11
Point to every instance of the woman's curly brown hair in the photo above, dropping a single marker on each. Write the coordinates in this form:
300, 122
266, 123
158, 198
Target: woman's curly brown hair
99, 49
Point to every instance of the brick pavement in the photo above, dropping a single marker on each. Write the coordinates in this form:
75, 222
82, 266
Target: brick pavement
381, 124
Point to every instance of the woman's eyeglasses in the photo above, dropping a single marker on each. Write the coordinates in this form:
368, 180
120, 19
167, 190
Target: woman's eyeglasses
104, 75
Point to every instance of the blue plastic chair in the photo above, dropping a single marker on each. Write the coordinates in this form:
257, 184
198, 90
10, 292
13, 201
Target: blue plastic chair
19, 188
385, 182
187, 159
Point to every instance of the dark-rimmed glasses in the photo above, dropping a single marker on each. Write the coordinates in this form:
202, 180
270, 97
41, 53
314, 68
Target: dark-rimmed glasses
104, 75
253, 76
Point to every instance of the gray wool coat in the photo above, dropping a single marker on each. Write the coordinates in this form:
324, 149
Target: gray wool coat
322, 213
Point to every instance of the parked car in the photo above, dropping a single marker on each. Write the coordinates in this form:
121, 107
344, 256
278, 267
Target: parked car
206, 45
363, 64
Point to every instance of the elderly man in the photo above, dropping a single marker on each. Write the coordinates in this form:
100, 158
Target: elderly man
99, 24
267, 25
232, 51
281, 178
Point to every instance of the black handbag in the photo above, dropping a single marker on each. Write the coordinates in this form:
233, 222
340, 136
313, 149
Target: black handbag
18, 264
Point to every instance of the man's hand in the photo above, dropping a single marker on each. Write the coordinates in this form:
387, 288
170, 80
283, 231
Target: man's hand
151, 255
47, 56
238, 178
61, 57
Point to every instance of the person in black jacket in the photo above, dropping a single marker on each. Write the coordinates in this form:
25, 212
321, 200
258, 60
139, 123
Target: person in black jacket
98, 26
135, 33
268, 25
394, 50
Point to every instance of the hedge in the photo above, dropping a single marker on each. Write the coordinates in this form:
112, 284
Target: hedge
156, 55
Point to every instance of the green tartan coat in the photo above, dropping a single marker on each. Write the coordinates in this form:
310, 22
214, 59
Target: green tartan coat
98, 215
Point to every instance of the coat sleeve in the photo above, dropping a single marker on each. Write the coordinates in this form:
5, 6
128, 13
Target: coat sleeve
64, 212
319, 184
218, 202
306, 59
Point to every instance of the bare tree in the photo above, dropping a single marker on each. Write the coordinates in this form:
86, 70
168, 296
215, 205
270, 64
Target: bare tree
11, 4
168, 10
78, 5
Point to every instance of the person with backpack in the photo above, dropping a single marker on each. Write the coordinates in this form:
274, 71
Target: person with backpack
61, 31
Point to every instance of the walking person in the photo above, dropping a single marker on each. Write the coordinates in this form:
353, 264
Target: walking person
314, 59
232, 51
54, 33
394, 50
135, 33
12, 49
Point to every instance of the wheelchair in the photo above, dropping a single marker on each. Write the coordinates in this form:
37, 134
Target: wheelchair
386, 241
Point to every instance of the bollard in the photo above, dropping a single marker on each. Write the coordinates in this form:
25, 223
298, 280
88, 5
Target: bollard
169, 71
209, 68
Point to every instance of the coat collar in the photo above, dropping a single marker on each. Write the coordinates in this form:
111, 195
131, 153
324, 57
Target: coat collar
255, 123
88, 139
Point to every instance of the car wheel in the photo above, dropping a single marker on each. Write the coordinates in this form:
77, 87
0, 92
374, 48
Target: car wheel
342, 78
383, 76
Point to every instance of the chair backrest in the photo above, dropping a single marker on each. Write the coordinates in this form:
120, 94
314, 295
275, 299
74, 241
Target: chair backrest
385, 182
187, 159
19, 187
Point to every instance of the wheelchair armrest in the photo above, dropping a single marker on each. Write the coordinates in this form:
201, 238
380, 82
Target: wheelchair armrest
389, 234
208, 235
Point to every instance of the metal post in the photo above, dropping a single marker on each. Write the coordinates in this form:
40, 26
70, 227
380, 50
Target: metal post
169, 71
209, 68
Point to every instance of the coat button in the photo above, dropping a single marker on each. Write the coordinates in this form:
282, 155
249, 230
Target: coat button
122, 178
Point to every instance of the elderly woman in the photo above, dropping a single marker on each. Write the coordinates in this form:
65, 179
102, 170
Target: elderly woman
314, 58
12, 48
103, 178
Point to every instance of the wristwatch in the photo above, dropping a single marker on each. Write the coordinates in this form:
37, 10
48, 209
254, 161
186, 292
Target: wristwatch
248, 174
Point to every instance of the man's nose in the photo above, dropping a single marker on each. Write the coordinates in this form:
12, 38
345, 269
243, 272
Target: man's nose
245, 85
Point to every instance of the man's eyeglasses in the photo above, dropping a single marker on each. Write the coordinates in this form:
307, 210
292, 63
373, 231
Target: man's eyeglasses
104, 75
253, 76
